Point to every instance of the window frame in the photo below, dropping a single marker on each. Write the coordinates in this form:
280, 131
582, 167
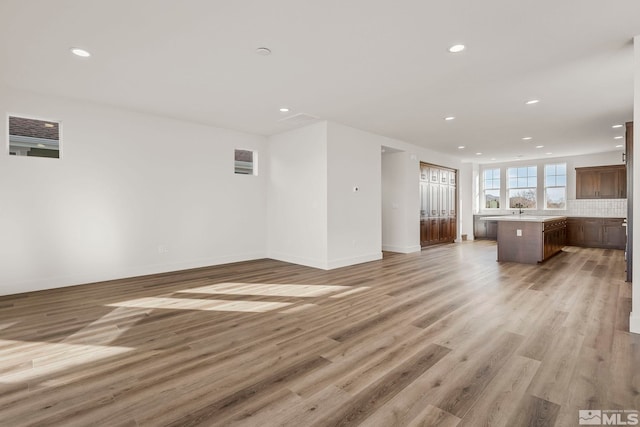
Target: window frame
253, 164
555, 186
528, 187
485, 188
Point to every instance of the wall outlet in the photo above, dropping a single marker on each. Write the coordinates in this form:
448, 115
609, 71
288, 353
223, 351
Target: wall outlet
519, 233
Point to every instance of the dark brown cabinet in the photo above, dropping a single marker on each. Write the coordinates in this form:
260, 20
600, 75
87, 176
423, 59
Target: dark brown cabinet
438, 209
605, 233
601, 182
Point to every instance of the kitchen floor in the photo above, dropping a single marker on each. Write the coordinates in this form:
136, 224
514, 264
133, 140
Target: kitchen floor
447, 336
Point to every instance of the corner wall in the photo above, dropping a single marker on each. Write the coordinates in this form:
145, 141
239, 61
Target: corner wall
297, 196
634, 319
127, 184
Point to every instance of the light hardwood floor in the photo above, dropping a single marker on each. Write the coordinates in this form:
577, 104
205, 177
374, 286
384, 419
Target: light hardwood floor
443, 337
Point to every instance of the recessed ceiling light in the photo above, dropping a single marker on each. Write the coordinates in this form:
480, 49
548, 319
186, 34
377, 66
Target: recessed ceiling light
527, 138
264, 51
493, 158
616, 126
478, 154
539, 146
617, 137
460, 147
80, 52
284, 110
449, 118
549, 153
456, 48
532, 101
619, 146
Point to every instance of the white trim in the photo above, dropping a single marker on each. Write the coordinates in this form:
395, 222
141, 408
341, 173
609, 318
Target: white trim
293, 259
401, 249
66, 281
634, 323
345, 262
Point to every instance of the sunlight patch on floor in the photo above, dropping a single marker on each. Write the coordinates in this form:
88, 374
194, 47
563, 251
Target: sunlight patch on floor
41, 359
202, 304
268, 289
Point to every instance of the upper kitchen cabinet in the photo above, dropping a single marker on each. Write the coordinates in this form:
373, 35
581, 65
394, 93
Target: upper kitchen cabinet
601, 182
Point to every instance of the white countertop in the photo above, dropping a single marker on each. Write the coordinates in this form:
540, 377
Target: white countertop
525, 218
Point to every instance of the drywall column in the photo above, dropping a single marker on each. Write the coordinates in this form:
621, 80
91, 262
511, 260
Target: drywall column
634, 320
465, 194
297, 196
354, 219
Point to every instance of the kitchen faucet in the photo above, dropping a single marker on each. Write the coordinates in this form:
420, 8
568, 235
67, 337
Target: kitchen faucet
519, 206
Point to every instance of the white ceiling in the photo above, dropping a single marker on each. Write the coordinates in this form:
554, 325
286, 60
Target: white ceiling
381, 66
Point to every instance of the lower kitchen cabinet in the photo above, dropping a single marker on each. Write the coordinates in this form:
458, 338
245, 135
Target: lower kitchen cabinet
484, 229
437, 230
605, 233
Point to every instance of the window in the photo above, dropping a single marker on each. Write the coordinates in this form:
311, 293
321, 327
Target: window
555, 186
492, 188
522, 187
246, 162
33, 137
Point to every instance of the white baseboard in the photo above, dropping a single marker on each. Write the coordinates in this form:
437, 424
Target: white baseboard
401, 249
81, 279
293, 259
634, 323
345, 262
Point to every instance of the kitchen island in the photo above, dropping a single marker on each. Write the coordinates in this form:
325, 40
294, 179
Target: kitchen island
529, 239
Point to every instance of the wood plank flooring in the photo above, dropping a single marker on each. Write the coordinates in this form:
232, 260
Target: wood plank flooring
445, 337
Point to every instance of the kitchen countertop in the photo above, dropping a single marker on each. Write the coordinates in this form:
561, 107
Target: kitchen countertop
524, 218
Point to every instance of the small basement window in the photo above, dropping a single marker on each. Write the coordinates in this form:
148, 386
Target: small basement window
246, 162
34, 137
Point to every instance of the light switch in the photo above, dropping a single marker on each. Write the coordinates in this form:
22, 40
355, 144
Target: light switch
519, 233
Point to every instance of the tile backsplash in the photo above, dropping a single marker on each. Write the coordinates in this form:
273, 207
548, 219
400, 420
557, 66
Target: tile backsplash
602, 207
612, 208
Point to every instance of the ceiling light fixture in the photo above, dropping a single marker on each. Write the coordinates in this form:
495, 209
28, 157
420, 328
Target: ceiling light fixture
478, 154
460, 147
80, 52
527, 138
456, 48
549, 153
449, 118
619, 146
617, 137
493, 158
284, 110
539, 146
616, 126
532, 101
264, 51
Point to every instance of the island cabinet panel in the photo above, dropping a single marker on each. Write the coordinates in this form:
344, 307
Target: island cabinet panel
530, 242
607, 233
601, 182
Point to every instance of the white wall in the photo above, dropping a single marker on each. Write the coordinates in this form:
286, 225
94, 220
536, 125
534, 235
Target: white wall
297, 196
126, 184
354, 217
634, 320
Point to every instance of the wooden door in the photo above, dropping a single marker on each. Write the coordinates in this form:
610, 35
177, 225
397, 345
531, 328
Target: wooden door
433, 195
608, 184
574, 232
592, 232
424, 199
444, 200
586, 184
452, 201
434, 175
453, 229
443, 230
433, 231
424, 232
613, 235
